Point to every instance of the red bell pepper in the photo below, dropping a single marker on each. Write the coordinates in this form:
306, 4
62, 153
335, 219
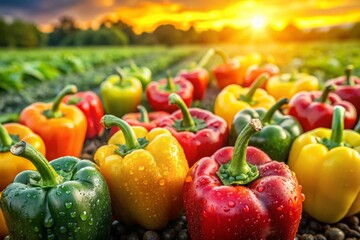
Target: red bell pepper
240, 193
348, 87
199, 76
142, 118
255, 71
90, 104
315, 109
158, 92
198, 131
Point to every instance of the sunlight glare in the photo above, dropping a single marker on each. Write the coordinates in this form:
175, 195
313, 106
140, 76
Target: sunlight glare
258, 22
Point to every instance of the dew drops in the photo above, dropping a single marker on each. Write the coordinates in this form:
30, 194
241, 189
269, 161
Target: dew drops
84, 215
141, 168
73, 214
260, 189
204, 214
281, 216
63, 229
62, 214
91, 221
226, 209
36, 229
58, 192
162, 182
67, 192
188, 179
281, 207
302, 197
48, 222
231, 204
246, 208
68, 205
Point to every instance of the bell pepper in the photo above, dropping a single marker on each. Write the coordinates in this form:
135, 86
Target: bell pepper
348, 87
327, 165
142, 118
90, 104
234, 98
3, 228
240, 193
199, 76
11, 165
287, 85
254, 71
141, 73
62, 127
157, 93
120, 93
145, 172
199, 132
315, 109
278, 133
65, 199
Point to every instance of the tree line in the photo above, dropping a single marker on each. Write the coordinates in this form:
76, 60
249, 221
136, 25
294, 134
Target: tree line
22, 34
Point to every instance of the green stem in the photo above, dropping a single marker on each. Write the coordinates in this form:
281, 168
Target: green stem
55, 112
49, 176
144, 116
170, 85
348, 72
255, 85
337, 125
205, 59
73, 100
5, 137
222, 54
238, 171
134, 66
325, 93
187, 121
130, 138
121, 74
269, 114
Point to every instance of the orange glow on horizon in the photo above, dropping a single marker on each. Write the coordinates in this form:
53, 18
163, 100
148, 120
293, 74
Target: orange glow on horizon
147, 16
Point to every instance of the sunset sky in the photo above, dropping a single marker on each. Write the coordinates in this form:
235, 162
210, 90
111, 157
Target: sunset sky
202, 14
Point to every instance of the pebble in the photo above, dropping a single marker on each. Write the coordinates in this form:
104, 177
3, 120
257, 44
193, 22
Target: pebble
334, 234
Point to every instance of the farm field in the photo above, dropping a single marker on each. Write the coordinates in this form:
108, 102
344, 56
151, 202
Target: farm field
33, 75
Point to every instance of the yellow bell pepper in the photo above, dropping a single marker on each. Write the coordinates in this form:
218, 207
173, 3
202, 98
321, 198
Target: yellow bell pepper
145, 172
287, 85
11, 165
3, 228
234, 98
327, 165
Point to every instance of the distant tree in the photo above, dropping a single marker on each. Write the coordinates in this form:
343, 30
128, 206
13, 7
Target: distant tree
25, 34
63, 33
145, 38
109, 36
168, 35
209, 36
7, 38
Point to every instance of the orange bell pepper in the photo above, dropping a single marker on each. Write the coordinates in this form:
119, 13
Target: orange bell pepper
234, 98
61, 126
11, 165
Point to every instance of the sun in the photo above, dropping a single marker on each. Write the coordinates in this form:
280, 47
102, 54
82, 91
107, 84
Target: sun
258, 22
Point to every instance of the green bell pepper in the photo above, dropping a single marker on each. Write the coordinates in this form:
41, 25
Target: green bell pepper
65, 199
141, 73
121, 94
278, 133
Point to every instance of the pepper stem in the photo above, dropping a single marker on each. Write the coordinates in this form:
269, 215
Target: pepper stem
187, 121
269, 114
49, 176
55, 112
144, 116
238, 171
205, 59
255, 85
325, 93
348, 72
131, 142
170, 85
121, 74
5, 137
222, 54
337, 125
133, 65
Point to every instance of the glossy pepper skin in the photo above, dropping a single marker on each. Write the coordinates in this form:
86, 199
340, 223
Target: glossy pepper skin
277, 135
327, 165
240, 193
287, 85
145, 172
3, 229
255, 71
199, 76
121, 94
158, 92
234, 98
11, 165
67, 198
348, 88
142, 118
90, 104
199, 132
315, 109
142, 73
62, 127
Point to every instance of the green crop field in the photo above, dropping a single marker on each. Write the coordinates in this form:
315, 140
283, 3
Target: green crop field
33, 75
